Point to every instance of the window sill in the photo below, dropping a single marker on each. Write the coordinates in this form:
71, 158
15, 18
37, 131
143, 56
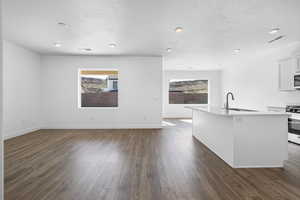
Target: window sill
98, 108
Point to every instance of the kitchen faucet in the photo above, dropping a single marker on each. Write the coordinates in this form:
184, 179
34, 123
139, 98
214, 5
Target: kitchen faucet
232, 97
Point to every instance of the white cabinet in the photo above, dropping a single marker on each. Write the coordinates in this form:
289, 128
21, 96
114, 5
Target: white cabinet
287, 69
276, 109
297, 64
286, 74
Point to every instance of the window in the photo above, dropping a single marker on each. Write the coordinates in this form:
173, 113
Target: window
188, 91
98, 88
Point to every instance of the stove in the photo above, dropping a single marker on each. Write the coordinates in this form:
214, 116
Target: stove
294, 123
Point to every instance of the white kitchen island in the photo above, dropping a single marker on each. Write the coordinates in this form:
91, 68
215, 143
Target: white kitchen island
243, 139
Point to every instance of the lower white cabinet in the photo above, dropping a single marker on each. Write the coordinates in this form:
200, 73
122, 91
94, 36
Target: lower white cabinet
276, 109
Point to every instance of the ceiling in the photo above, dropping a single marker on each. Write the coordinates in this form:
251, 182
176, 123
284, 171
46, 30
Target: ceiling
212, 29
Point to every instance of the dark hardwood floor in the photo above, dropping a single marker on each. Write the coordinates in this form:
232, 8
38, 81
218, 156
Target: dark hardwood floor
167, 164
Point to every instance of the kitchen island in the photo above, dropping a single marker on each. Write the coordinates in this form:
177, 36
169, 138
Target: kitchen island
243, 139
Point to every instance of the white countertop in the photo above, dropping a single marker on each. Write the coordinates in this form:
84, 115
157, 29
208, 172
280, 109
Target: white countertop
222, 111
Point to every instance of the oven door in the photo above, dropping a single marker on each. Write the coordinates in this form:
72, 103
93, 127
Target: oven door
294, 126
297, 81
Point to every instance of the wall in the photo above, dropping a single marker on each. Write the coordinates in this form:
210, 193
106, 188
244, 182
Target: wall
1, 111
254, 80
140, 83
21, 94
178, 111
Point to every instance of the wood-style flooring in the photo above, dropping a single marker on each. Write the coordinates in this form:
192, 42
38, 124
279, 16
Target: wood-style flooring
166, 164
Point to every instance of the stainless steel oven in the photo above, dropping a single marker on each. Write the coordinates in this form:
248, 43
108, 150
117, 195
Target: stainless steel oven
297, 81
294, 123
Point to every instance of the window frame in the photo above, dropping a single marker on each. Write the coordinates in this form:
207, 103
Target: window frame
200, 79
79, 89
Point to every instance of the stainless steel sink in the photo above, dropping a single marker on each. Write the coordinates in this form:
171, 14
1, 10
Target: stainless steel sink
241, 109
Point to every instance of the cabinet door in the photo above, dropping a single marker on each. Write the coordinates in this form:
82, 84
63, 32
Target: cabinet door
286, 74
297, 69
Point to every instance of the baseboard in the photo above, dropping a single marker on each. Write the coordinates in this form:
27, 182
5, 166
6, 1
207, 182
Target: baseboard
103, 126
15, 133
259, 166
11, 134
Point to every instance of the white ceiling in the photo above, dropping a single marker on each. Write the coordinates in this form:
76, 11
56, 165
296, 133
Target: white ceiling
212, 28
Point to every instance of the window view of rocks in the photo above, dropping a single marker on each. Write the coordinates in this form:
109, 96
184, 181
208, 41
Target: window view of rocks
99, 88
188, 91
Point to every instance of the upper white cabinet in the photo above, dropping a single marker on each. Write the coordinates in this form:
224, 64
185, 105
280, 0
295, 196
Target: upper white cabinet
297, 64
287, 69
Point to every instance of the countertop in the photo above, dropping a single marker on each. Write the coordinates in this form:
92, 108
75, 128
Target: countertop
221, 111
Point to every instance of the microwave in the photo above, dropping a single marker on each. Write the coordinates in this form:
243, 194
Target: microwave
297, 81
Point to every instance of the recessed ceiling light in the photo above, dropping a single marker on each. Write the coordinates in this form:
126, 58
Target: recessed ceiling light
57, 44
86, 49
274, 31
178, 29
61, 24
277, 38
237, 50
112, 45
168, 49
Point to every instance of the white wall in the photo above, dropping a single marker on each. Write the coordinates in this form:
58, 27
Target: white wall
140, 101
21, 94
1, 111
254, 79
178, 110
